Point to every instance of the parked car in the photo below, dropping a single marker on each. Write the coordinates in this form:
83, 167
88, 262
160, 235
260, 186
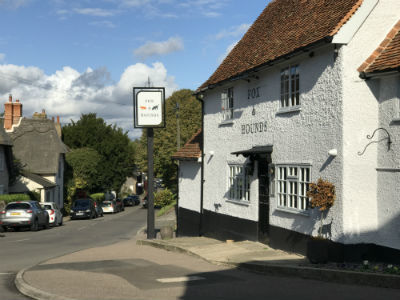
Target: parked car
132, 200
120, 204
24, 214
109, 206
83, 209
99, 209
55, 214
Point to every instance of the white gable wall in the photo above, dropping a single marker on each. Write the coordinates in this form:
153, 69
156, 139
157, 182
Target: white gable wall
189, 185
360, 118
304, 136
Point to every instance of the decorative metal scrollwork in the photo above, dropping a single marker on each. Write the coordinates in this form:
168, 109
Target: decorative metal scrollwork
370, 137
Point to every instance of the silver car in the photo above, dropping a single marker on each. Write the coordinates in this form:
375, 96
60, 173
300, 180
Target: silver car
24, 214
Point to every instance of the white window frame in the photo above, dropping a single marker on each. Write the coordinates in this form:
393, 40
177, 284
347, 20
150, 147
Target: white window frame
238, 182
227, 104
292, 184
290, 87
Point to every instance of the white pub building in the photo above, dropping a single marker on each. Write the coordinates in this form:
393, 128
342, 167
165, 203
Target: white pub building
311, 91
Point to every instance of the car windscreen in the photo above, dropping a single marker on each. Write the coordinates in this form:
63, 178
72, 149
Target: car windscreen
47, 207
18, 206
106, 204
81, 203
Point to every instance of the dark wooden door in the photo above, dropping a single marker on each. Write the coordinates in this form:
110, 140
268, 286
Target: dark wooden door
263, 193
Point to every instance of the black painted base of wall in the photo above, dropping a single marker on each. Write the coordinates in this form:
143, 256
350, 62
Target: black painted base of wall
188, 222
225, 227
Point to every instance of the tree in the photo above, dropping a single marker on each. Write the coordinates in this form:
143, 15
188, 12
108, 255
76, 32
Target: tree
165, 139
110, 142
84, 163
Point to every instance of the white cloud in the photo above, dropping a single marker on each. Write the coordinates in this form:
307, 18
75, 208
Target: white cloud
14, 3
96, 12
149, 49
235, 31
68, 93
2, 56
227, 51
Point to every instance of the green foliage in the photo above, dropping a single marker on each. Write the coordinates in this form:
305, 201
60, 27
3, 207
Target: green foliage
113, 147
166, 209
34, 195
84, 163
165, 139
163, 198
14, 197
99, 197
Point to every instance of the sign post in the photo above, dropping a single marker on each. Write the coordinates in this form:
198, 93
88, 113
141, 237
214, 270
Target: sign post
149, 113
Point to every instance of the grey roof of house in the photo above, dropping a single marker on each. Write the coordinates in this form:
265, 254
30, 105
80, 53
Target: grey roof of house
37, 145
4, 138
38, 179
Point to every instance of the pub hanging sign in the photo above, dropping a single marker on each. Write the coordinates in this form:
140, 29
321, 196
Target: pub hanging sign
149, 107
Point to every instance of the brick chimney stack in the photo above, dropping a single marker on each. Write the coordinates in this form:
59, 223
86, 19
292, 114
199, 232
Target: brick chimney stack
12, 113
58, 127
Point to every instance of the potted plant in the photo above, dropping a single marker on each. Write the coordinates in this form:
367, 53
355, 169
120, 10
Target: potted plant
322, 195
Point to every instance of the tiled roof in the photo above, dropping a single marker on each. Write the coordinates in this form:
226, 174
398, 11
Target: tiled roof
282, 28
387, 56
191, 150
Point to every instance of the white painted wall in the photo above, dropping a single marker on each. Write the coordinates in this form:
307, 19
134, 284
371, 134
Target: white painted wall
389, 163
360, 118
189, 185
304, 136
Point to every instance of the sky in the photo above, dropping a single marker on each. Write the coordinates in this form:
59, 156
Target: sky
73, 57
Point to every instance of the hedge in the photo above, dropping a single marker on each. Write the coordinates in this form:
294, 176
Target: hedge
14, 197
98, 197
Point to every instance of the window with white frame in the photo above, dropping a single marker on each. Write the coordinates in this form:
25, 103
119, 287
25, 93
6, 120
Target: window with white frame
290, 83
292, 183
227, 104
239, 183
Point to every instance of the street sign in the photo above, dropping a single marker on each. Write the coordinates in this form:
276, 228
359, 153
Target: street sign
149, 113
149, 107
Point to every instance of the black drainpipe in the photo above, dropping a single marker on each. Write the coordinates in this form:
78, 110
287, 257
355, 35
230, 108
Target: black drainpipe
199, 97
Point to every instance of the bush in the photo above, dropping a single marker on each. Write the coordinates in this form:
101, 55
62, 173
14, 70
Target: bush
98, 197
163, 198
14, 197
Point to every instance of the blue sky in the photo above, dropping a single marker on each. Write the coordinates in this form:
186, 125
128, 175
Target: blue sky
78, 56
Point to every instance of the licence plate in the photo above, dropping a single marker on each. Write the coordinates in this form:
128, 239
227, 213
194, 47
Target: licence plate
15, 214
79, 214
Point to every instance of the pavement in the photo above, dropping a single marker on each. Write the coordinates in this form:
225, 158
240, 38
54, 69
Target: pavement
111, 272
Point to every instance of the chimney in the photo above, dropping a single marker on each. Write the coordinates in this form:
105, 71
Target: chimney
58, 127
8, 113
17, 112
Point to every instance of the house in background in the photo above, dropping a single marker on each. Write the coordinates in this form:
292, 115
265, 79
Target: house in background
38, 146
189, 192
6, 161
290, 104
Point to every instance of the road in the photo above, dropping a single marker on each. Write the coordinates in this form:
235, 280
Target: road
19, 250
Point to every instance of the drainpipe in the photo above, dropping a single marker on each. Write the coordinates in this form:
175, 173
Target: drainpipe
200, 98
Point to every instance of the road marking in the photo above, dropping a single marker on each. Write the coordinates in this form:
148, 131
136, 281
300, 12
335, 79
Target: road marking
180, 279
22, 240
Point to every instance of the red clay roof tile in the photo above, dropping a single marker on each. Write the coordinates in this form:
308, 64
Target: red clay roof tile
191, 150
282, 28
387, 56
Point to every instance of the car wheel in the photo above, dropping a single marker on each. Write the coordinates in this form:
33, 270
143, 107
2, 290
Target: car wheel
61, 222
46, 224
35, 225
